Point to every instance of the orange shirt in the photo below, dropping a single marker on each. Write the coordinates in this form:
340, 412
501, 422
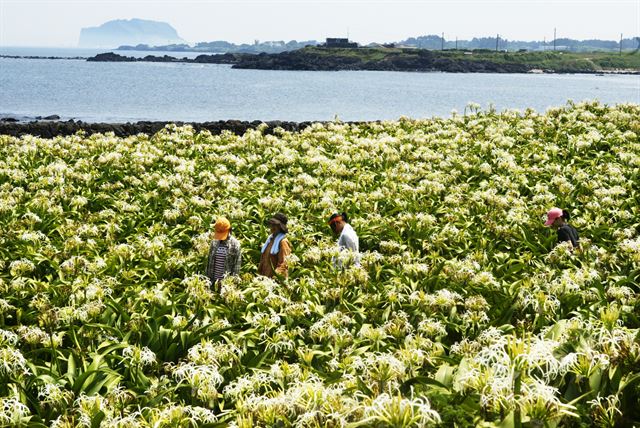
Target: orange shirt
270, 263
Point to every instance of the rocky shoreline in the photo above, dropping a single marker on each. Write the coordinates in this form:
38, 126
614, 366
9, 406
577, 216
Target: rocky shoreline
227, 58
84, 58
416, 60
50, 129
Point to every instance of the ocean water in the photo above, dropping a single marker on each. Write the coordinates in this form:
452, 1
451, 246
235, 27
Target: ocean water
121, 92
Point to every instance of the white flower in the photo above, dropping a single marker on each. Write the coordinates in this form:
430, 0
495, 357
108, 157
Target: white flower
8, 338
12, 363
21, 267
204, 379
392, 411
13, 412
139, 356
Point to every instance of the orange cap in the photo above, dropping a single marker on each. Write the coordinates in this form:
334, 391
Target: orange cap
222, 228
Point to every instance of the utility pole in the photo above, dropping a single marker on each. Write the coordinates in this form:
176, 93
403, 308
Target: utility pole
620, 43
497, 39
442, 47
554, 39
544, 43
456, 42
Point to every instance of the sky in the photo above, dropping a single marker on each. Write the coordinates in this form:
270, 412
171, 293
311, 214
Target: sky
58, 22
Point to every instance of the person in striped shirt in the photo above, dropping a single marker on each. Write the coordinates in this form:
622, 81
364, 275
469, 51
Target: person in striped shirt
225, 256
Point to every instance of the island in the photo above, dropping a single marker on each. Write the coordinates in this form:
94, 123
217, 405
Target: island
119, 32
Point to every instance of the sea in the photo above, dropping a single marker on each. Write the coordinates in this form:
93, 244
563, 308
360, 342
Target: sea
127, 92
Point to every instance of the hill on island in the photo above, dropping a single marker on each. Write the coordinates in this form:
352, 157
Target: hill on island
119, 32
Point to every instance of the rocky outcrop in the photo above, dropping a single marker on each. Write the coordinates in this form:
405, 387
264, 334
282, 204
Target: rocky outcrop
300, 60
417, 60
49, 129
41, 57
227, 58
411, 60
111, 57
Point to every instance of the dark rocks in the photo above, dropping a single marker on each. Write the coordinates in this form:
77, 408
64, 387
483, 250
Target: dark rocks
322, 59
8, 119
405, 60
42, 57
165, 58
111, 57
50, 129
52, 117
227, 58
200, 59
300, 60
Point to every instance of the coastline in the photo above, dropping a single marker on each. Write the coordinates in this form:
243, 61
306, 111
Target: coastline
43, 57
50, 129
317, 60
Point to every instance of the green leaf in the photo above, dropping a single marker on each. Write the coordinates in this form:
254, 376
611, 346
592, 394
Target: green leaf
71, 366
628, 381
508, 421
595, 379
420, 380
444, 375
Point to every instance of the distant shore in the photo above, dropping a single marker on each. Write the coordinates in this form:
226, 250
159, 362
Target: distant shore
43, 57
407, 60
448, 61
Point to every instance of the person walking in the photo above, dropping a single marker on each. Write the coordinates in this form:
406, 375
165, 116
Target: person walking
274, 252
558, 218
225, 256
347, 239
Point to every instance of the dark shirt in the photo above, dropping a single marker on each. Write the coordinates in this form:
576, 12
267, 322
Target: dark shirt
566, 232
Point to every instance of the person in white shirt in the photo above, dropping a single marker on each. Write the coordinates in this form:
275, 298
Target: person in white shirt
348, 243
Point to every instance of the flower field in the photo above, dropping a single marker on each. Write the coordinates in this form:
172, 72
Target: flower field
464, 312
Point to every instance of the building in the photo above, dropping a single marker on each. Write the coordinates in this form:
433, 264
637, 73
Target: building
339, 43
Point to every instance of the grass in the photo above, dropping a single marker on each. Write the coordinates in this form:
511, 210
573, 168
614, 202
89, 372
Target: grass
548, 60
